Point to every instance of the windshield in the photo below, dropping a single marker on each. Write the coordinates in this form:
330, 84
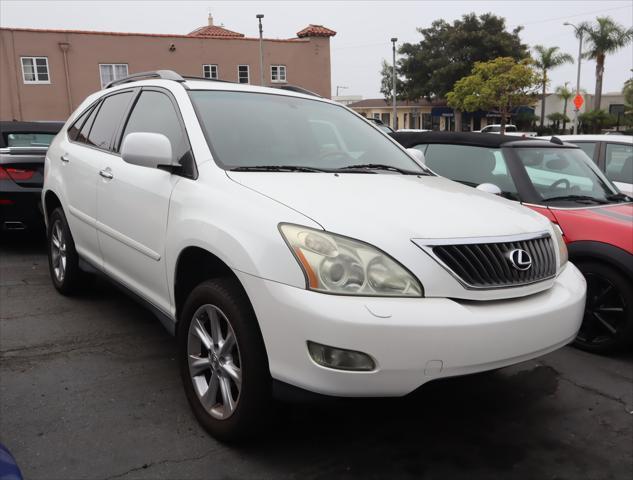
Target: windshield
252, 129
557, 173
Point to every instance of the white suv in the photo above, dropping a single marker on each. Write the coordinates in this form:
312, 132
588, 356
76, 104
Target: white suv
285, 240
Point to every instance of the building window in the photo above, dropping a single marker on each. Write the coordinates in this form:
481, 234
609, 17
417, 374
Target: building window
112, 71
210, 71
35, 70
277, 73
243, 75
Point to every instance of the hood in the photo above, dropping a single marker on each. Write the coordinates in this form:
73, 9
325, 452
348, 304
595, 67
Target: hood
377, 208
612, 224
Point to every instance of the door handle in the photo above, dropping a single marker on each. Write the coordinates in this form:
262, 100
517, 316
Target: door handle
64, 158
107, 173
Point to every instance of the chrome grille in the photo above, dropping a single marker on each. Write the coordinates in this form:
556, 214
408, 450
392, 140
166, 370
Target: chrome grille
488, 265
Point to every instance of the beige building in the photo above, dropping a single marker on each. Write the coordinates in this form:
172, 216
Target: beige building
611, 102
45, 74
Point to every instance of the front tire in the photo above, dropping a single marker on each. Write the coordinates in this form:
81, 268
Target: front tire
607, 325
63, 261
223, 361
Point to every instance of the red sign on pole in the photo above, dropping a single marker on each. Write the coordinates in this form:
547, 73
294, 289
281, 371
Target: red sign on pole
578, 101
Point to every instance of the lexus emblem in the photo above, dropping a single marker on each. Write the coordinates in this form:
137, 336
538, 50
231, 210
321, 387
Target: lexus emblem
520, 259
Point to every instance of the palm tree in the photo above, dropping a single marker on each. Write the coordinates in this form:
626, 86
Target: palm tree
565, 93
603, 37
547, 59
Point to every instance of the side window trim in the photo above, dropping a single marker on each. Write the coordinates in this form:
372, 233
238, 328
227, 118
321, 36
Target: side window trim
119, 134
83, 116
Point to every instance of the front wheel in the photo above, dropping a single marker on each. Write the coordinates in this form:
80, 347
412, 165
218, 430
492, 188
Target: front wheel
223, 360
607, 325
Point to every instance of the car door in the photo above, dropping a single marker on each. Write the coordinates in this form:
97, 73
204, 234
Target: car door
84, 154
133, 204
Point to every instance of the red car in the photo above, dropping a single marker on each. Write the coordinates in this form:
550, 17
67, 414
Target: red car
558, 180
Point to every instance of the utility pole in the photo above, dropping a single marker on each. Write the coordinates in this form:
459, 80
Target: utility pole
393, 84
341, 87
259, 17
579, 32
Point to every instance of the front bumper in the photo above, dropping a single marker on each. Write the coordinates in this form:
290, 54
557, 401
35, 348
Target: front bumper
412, 341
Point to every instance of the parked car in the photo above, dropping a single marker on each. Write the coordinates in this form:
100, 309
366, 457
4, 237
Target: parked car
612, 153
379, 123
559, 181
413, 130
510, 130
313, 252
23, 146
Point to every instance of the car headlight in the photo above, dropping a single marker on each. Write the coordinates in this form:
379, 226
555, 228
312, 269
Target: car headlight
335, 264
563, 255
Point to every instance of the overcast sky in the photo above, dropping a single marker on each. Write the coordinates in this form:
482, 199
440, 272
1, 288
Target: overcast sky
364, 28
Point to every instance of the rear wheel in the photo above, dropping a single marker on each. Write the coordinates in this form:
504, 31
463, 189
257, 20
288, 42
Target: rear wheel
607, 325
223, 361
63, 260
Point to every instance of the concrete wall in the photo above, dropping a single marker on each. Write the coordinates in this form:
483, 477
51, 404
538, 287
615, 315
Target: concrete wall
553, 104
307, 64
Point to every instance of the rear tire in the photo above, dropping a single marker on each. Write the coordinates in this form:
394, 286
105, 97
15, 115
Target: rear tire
63, 261
223, 361
607, 325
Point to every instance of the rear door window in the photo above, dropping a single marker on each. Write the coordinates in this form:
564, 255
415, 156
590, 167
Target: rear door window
619, 162
108, 120
82, 136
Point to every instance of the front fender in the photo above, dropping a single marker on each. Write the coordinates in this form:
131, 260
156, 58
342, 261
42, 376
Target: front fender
616, 257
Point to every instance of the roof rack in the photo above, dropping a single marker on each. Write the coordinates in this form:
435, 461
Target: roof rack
162, 74
192, 77
294, 88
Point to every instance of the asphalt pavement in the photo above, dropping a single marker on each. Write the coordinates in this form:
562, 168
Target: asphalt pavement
89, 389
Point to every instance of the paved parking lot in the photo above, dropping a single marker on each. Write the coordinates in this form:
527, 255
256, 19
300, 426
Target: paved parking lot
89, 388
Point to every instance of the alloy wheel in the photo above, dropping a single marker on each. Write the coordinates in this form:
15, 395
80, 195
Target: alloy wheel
214, 361
605, 311
58, 251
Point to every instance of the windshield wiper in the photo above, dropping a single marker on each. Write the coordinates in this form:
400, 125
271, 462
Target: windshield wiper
578, 198
619, 197
380, 166
277, 168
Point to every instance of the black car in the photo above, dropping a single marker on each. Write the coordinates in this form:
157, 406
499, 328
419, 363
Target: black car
23, 148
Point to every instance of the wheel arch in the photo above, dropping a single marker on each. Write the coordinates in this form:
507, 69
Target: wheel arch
615, 257
195, 265
51, 202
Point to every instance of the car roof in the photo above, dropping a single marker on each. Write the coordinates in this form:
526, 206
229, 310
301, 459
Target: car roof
473, 139
594, 138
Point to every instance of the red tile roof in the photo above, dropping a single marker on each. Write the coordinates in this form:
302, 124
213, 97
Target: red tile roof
213, 31
316, 31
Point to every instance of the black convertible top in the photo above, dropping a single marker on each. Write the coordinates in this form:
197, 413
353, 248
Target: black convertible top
27, 127
473, 139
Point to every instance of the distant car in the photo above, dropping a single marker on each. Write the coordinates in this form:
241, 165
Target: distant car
510, 130
23, 147
413, 130
612, 153
559, 181
381, 125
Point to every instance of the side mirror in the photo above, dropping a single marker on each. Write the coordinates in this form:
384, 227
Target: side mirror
417, 155
489, 188
147, 149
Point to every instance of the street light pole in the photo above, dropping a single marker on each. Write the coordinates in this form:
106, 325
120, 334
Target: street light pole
579, 32
341, 87
393, 84
259, 17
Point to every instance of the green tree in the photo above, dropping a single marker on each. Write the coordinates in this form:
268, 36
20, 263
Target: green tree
595, 120
556, 118
546, 59
603, 37
501, 84
386, 81
448, 52
563, 91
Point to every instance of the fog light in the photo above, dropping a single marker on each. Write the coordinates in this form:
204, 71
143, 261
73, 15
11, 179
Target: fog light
339, 358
